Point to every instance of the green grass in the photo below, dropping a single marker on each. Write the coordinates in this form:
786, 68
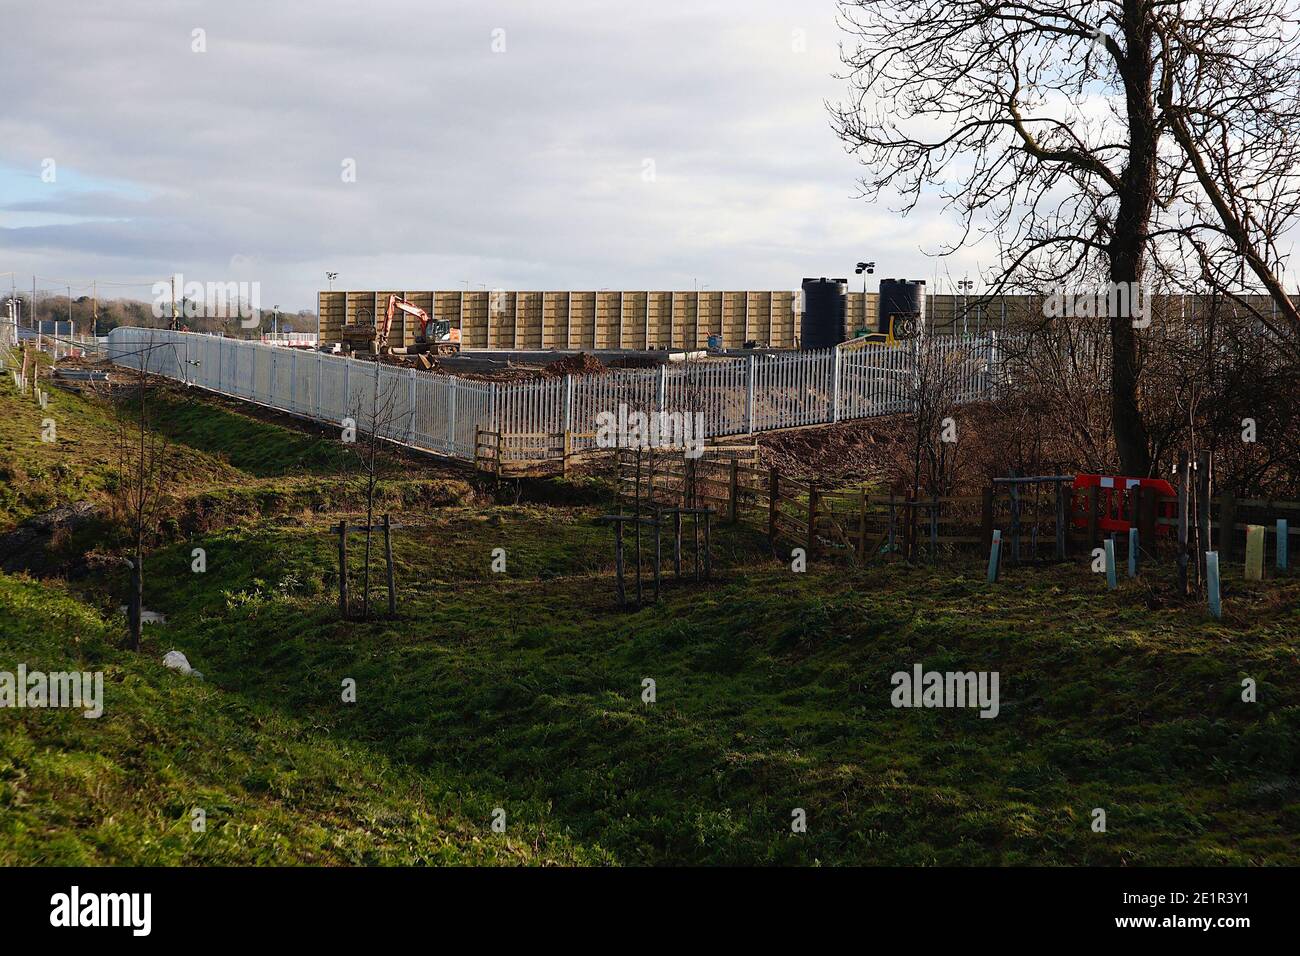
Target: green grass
120, 789
523, 691
220, 465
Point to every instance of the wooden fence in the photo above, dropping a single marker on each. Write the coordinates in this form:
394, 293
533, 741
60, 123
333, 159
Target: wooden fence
859, 524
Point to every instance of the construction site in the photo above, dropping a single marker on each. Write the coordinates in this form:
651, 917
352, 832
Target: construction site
778, 556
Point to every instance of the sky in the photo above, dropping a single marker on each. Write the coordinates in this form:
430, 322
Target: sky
571, 144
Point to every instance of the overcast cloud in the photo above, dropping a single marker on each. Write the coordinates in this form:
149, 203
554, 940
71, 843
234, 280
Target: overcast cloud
516, 169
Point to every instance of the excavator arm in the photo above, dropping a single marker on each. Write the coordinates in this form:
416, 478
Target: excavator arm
443, 332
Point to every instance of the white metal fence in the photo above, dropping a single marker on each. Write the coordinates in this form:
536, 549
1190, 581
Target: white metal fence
444, 413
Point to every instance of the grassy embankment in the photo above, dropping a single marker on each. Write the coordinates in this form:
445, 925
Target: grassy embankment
523, 691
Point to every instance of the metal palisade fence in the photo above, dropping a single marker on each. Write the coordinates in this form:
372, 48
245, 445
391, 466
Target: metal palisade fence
445, 414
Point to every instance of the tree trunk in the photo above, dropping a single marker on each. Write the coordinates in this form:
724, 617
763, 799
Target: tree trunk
1129, 240
135, 602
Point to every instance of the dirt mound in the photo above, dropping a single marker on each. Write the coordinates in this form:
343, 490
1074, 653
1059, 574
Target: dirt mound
855, 451
39, 545
581, 364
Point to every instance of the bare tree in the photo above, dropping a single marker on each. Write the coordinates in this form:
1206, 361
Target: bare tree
140, 493
1076, 134
376, 416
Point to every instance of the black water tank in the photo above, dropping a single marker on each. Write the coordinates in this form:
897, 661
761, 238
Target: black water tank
823, 313
901, 297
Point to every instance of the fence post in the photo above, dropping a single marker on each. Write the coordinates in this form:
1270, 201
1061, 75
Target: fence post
994, 362
1061, 519
618, 561
1281, 544
812, 519
934, 528
1015, 521
343, 567
862, 526
734, 492
835, 386
1227, 521
1184, 503
410, 405
451, 417
749, 399
1147, 519
661, 389
347, 386
568, 404
773, 495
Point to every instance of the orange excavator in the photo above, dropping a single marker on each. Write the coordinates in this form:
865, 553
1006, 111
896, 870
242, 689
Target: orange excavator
435, 335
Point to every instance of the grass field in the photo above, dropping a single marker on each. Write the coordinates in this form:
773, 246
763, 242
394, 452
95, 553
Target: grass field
523, 691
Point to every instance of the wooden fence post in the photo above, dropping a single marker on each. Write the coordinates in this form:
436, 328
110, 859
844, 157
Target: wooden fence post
862, 526
659, 554
773, 495
708, 545
1184, 504
343, 568
677, 543
1227, 520
1062, 521
812, 519
734, 490
1015, 521
618, 561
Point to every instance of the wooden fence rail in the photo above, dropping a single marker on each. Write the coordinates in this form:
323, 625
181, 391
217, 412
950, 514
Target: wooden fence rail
859, 523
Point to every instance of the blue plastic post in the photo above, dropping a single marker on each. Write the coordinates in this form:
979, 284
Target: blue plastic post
1110, 563
1132, 552
1212, 582
994, 553
1281, 544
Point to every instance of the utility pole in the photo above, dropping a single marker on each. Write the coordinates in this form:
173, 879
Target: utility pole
94, 307
71, 328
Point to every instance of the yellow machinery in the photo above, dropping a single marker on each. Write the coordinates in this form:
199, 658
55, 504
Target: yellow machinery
902, 326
